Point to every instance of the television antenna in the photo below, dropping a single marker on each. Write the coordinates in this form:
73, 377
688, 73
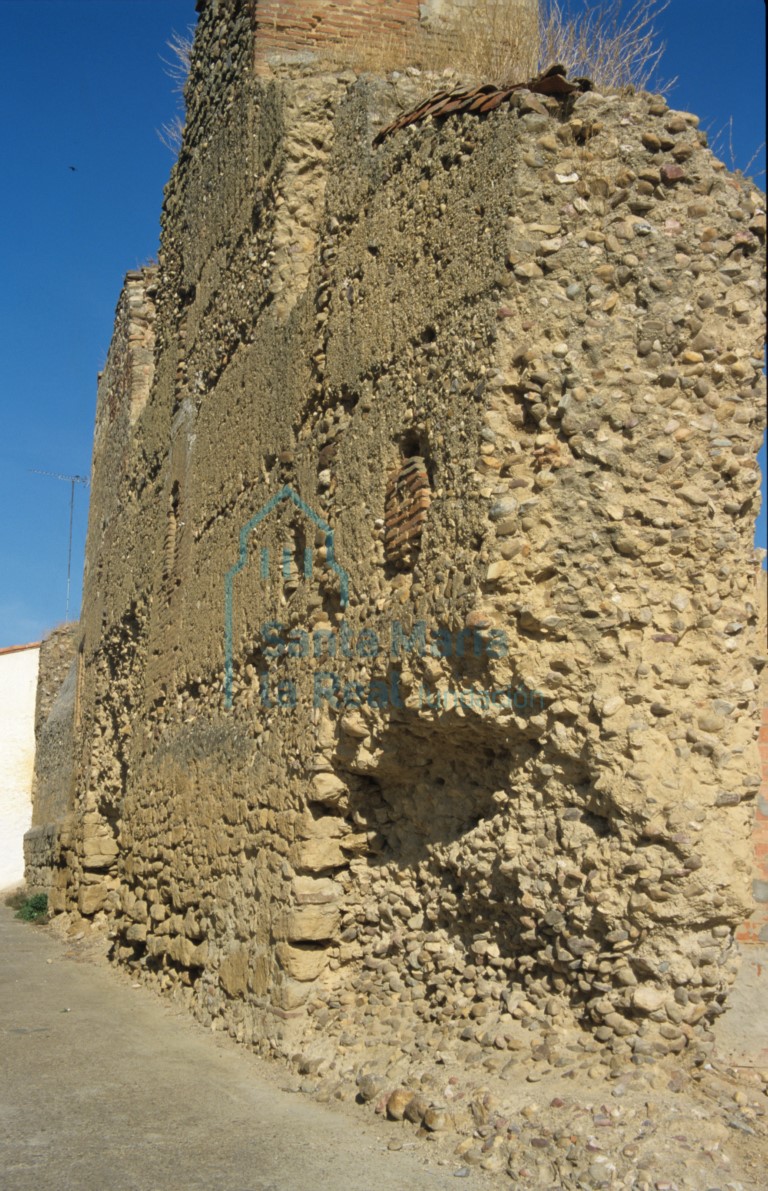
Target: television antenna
71, 480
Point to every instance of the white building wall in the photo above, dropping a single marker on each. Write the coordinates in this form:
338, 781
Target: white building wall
18, 688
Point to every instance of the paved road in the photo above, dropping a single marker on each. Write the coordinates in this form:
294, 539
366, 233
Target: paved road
120, 1094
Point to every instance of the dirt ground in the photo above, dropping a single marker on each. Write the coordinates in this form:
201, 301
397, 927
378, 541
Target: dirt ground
105, 1084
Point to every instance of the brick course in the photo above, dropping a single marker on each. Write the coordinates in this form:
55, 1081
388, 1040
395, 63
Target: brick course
293, 26
407, 501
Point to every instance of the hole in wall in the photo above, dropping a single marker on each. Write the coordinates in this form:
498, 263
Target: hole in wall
411, 444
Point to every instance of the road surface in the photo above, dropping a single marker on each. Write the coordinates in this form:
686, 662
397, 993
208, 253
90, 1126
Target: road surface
104, 1087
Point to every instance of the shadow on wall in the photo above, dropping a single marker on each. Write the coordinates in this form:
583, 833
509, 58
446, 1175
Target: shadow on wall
465, 852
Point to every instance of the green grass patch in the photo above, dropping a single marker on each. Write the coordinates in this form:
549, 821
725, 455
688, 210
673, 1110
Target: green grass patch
34, 909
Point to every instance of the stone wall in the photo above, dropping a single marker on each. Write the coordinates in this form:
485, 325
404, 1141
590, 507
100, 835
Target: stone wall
419, 614
755, 929
57, 652
117, 563
53, 788
54, 760
55, 725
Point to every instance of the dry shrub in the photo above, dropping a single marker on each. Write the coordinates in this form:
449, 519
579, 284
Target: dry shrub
613, 43
496, 41
381, 52
171, 133
177, 68
721, 144
491, 41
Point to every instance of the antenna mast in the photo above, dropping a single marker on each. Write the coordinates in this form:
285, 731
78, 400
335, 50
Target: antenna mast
72, 480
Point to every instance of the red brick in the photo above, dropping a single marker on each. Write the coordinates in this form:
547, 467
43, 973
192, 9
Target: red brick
749, 932
301, 24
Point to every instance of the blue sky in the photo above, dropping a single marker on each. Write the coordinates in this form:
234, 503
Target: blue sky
82, 83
